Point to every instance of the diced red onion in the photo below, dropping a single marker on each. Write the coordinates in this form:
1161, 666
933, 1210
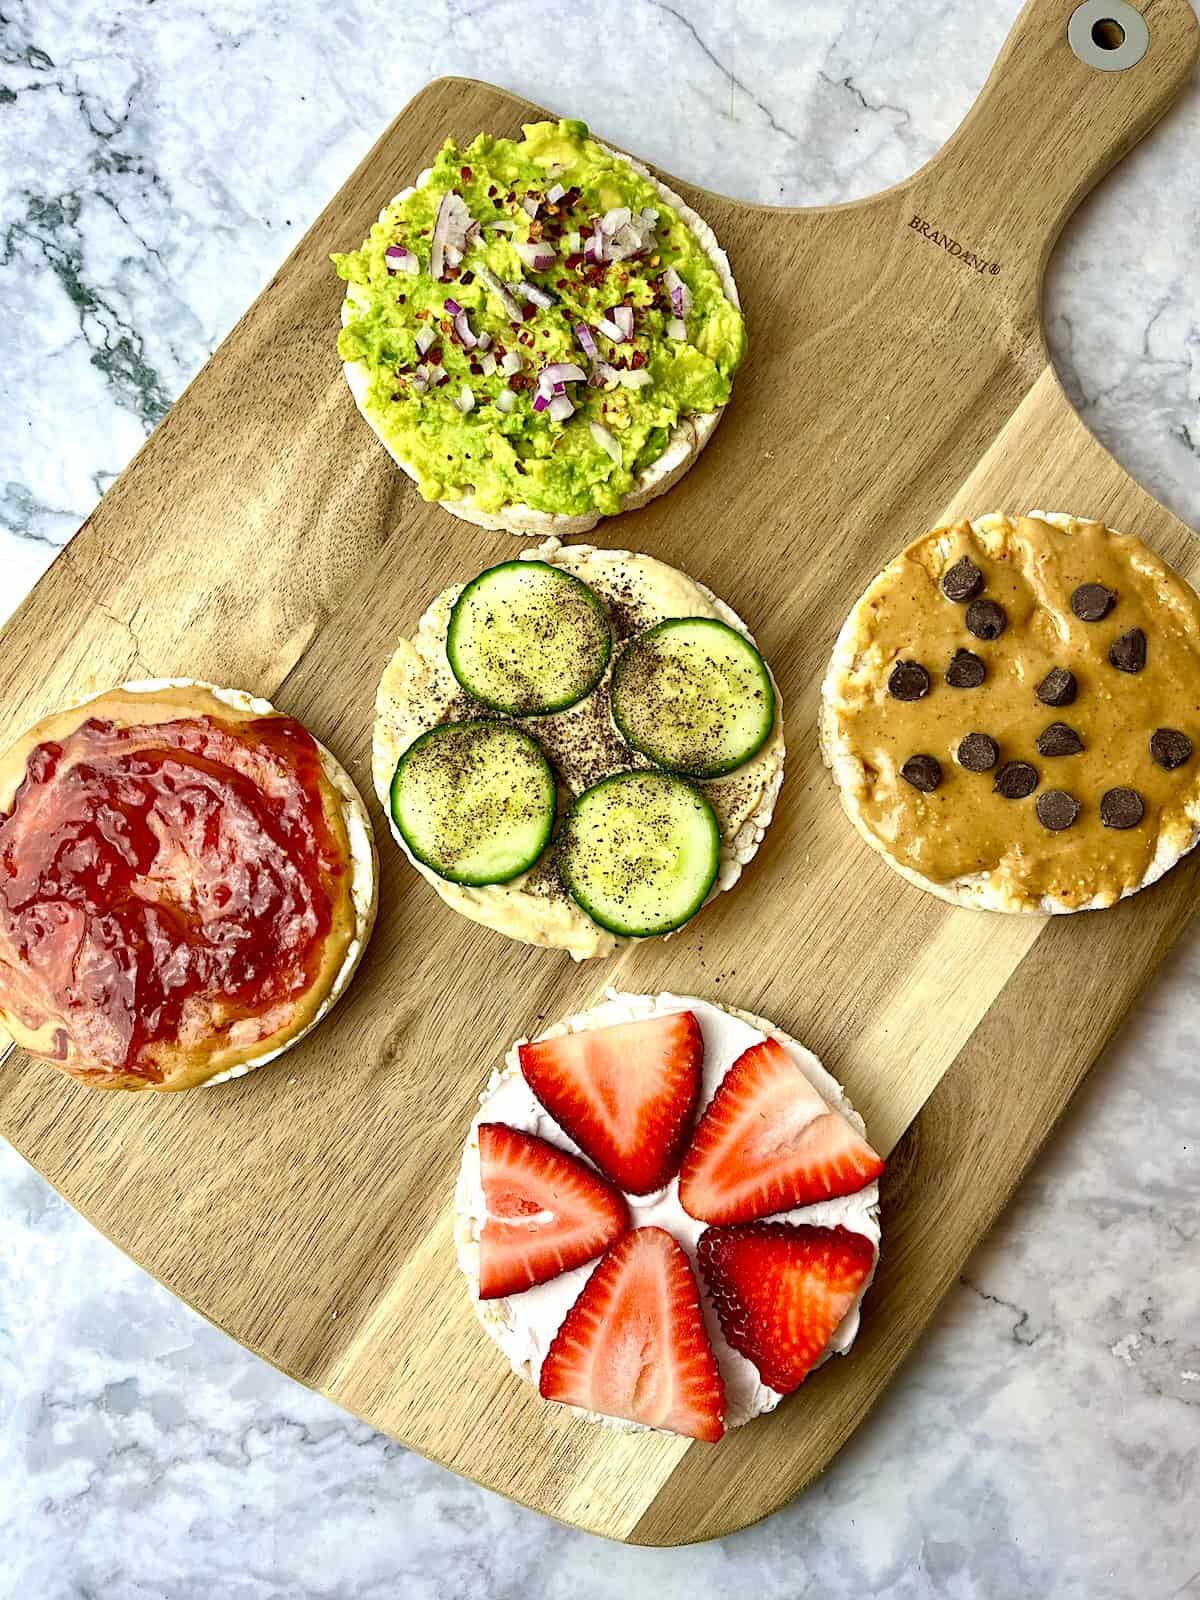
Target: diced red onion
562, 372
512, 307
530, 204
560, 408
500, 225
505, 400
587, 344
536, 256
555, 193
623, 317
401, 260
466, 399
615, 219
602, 376
540, 401
512, 363
419, 385
425, 338
593, 249
484, 340
649, 215
437, 375
463, 329
449, 233
487, 364
681, 295
452, 306
676, 328
635, 380
606, 441
573, 242
610, 330
558, 388
534, 295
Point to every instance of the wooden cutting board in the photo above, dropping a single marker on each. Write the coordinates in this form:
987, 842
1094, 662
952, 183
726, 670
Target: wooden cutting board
261, 538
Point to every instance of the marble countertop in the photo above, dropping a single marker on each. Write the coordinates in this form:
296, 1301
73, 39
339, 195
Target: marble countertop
156, 163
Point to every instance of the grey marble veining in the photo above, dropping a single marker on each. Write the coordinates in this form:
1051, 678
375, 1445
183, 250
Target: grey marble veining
156, 162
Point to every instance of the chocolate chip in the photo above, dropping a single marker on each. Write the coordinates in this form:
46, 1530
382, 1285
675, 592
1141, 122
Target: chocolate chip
909, 681
963, 581
1128, 653
986, 619
1059, 740
1170, 748
1015, 780
1056, 809
1092, 601
923, 772
966, 670
1121, 808
978, 752
1058, 688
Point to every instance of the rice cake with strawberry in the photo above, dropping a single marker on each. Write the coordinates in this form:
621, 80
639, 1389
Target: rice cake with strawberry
667, 1213
1011, 714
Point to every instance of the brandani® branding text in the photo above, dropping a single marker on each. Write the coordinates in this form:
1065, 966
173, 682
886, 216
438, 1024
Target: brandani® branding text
953, 248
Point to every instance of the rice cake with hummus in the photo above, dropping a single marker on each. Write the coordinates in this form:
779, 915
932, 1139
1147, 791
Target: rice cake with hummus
188, 883
540, 332
1011, 714
652, 812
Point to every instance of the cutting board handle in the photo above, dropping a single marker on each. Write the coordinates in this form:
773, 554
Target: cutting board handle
1048, 125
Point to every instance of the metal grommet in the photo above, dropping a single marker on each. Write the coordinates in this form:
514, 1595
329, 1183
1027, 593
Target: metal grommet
1108, 34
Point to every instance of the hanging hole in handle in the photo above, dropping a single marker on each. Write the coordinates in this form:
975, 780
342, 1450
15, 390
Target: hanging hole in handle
1108, 34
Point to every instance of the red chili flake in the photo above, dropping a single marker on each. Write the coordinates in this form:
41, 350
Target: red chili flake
638, 359
520, 381
511, 197
422, 314
476, 368
434, 355
560, 283
466, 174
528, 311
499, 204
525, 338
468, 277
397, 396
491, 189
535, 229
574, 261
401, 298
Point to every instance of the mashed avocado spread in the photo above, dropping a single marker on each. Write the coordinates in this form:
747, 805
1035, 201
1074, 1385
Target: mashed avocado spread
534, 320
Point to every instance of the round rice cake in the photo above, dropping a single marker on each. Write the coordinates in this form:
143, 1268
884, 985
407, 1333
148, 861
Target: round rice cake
523, 1325
419, 691
682, 435
1011, 714
209, 873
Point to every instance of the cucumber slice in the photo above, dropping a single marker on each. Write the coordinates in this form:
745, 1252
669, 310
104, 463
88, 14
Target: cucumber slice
527, 638
695, 696
639, 852
474, 801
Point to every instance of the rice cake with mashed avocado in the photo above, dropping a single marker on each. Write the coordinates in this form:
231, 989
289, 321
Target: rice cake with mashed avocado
540, 332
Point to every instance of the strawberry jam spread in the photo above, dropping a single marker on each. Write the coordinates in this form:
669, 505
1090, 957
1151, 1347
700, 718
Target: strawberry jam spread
165, 885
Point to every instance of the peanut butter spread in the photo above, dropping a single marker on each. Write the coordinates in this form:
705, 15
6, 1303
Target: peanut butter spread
1012, 713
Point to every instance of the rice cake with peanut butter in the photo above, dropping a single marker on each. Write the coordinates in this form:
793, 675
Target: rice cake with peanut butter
1012, 710
419, 692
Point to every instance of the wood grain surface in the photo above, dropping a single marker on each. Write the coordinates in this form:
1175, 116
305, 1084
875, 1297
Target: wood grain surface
263, 539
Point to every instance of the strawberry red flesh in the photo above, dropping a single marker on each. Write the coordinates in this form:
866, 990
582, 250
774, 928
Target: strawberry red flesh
634, 1345
626, 1095
547, 1211
768, 1142
780, 1290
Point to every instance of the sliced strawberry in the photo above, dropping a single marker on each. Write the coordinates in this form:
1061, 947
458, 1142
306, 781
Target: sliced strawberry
547, 1211
780, 1289
634, 1344
625, 1094
768, 1142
